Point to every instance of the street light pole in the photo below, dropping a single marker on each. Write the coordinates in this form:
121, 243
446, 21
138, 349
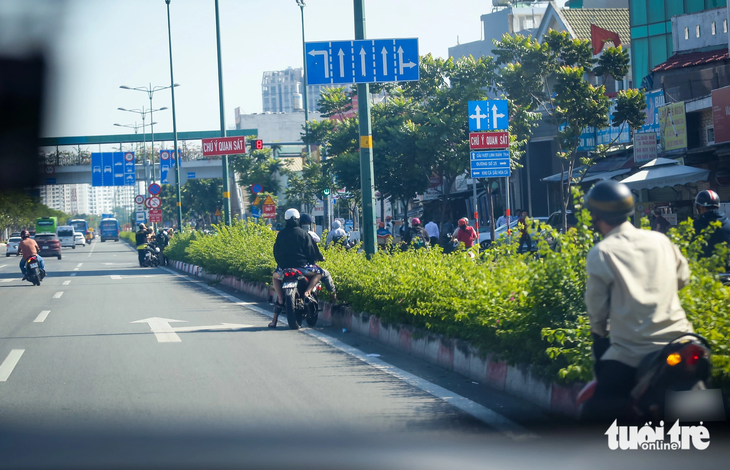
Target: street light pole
224, 158
304, 77
174, 123
366, 146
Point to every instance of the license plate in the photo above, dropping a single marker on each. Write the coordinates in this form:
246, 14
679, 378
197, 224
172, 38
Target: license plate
33, 265
288, 285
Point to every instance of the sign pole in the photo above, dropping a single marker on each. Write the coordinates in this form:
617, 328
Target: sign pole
366, 145
509, 219
224, 158
476, 205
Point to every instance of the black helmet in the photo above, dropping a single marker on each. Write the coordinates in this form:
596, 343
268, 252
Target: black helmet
305, 219
708, 198
610, 201
24, 234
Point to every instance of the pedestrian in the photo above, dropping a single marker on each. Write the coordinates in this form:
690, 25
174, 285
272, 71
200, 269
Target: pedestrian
523, 224
141, 241
433, 232
660, 224
465, 233
502, 220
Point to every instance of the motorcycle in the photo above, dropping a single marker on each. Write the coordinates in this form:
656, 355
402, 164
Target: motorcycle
33, 272
152, 255
294, 285
682, 365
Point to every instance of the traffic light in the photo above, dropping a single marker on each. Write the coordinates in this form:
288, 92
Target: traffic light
258, 144
326, 191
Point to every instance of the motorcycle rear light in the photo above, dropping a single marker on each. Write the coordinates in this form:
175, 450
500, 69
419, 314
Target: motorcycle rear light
692, 354
674, 359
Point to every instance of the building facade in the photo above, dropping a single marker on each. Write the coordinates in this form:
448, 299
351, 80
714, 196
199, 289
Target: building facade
281, 92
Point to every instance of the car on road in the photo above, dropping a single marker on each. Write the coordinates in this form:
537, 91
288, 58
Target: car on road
79, 239
556, 220
15, 235
49, 243
485, 237
12, 246
66, 235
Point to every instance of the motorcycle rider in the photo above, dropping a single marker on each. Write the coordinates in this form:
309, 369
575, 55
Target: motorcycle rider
417, 235
337, 234
141, 238
708, 206
306, 222
29, 248
294, 248
633, 279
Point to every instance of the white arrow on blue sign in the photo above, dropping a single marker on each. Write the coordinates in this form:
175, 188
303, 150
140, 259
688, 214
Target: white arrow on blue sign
490, 164
362, 61
489, 115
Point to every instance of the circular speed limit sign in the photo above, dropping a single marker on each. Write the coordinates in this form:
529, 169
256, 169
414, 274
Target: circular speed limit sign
129, 156
154, 202
164, 156
139, 199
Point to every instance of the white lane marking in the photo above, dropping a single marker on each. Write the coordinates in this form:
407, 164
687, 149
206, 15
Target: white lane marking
116, 276
92, 249
65, 283
73, 274
6, 368
2, 265
79, 265
42, 316
480, 412
76, 269
7, 280
57, 295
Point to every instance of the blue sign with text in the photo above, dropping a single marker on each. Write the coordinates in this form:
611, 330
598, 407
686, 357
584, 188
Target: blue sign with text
167, 162
362, 61
112, 169
489, 164
488, 115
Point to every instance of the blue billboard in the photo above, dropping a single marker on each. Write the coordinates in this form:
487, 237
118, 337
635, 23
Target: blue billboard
112, 169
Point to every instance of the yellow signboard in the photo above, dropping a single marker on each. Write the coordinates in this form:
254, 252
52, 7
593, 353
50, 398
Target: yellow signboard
673, 125
256, 201
217, 213
269, 201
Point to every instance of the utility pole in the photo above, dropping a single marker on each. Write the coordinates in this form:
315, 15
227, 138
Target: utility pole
366, 146
224, 158
174, 124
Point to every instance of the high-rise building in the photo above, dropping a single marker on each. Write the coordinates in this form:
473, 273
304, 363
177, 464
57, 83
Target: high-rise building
281, 92
85, 199
651, 31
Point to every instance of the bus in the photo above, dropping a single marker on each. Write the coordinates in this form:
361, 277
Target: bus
109, 229
81, 226
46, 225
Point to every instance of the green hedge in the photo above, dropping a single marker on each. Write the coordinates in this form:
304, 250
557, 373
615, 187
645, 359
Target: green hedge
524, 308
128, 237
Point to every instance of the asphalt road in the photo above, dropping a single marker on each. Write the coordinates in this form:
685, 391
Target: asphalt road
84, 383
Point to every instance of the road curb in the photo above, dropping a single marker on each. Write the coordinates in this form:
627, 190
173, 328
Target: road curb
452, 354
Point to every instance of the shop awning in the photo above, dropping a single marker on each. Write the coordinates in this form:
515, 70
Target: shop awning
663, 172
601, 176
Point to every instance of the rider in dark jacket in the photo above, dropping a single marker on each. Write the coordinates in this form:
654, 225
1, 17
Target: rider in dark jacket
708, 205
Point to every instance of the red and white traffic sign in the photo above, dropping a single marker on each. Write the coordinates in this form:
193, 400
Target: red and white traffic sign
139, 199
269, 211
156, 216
488, 140
154, 189
164, 155
129, 156
224, 146
153, 202
50, 169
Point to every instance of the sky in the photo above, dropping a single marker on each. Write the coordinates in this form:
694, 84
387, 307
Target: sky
95, 46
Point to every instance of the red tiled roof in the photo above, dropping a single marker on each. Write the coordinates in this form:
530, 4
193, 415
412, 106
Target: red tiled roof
692, 59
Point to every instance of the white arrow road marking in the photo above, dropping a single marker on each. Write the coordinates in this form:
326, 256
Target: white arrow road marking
6, 368
478, 116
168, 334
162, 329
384, 53
42, 316
495, 115
57, 295
402, 64
342, 63
326, 61
362, 61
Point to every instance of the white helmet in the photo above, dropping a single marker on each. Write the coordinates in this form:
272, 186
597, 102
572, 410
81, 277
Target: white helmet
291, 214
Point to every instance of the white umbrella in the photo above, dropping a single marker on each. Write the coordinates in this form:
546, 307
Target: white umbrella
663, 172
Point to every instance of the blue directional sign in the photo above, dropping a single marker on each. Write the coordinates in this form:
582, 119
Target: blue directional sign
165, 164
191, 175
130, 176
112, 169
490, 164
96, 170
118, 168
107, 173
362, 61
490, 115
